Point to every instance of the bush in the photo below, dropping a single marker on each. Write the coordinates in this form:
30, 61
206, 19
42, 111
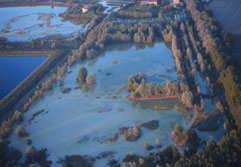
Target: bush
20, 131
178, 129
85, 88
90, 53
90, 79
30, 153
82, 74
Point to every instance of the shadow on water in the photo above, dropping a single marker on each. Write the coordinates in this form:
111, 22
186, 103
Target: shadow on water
149, 104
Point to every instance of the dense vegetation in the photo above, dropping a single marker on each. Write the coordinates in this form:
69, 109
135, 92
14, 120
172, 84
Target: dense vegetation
82, 74
226, 152
139, 88
217, 44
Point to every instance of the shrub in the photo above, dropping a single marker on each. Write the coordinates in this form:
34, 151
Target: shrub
90, 53
85, 88
90, 79
20, 131
30, 152
82, 74
178, 129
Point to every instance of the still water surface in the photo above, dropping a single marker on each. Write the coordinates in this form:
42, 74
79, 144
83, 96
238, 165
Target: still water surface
13, 70
31, 22
73, 124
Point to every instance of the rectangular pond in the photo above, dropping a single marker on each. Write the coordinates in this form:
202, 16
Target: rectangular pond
14, 69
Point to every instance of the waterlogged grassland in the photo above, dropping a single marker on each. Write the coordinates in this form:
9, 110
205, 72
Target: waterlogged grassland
81, 123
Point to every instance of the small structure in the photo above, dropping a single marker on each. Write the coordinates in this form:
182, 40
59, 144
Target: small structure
154, 2
174, 2
85, 9
148, 2
144, 3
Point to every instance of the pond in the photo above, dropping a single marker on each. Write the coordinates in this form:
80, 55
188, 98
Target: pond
81, 123
14, 70
31, 22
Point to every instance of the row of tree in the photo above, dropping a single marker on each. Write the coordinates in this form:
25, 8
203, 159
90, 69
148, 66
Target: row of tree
226, 152
217, 45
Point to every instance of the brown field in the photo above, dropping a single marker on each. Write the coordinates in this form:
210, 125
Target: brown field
228, 12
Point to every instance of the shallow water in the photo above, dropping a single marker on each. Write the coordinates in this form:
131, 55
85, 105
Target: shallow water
13, 70
71, 123
31, 22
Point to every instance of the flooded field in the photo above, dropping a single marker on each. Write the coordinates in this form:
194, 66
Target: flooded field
28, 23
83, 123
14, 70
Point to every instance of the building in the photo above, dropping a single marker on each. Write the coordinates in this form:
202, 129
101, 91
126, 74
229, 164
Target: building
175, 2
152, 2
85, 9
148, 2
144, 3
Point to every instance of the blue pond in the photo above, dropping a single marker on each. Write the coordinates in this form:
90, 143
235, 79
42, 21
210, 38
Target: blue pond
13, 70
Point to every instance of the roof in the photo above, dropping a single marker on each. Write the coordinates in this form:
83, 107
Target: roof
146, 2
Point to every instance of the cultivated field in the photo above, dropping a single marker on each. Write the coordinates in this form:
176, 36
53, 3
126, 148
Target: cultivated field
228, 12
